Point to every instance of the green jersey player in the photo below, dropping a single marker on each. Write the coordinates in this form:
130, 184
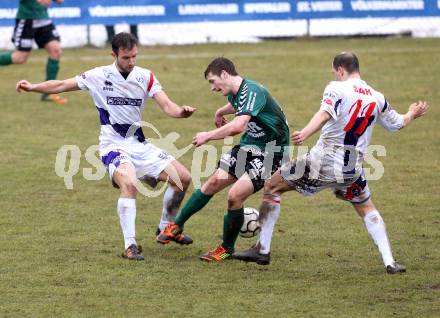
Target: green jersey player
267, 122
260, 152
32, 23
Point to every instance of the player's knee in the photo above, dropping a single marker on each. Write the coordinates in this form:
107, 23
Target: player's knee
125, 179
55, 53
235, 200
211, 186
19, 58
270, 187
185, 178
128, 187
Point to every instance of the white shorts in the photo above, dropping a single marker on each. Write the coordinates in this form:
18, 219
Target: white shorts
147, 159
354, 189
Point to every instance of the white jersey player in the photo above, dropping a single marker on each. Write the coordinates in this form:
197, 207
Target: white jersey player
354, 108
349, 110
119, 92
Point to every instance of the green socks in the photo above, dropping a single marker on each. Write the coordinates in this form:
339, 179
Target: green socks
52, 68
5, 58
195, 203
232, 222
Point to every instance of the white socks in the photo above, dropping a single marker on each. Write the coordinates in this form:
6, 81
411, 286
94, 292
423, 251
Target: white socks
171, 203
269, 213
376, 227
127, 218
127, 213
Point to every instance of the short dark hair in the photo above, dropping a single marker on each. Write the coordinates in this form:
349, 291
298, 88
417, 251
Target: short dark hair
123, 40
348, 61
220, 64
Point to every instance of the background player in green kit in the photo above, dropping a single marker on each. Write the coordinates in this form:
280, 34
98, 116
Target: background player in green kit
32, 23
245, 167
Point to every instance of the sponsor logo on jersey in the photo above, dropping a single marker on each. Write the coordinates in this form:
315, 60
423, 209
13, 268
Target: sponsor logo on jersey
108, 86
124, 101
254, 130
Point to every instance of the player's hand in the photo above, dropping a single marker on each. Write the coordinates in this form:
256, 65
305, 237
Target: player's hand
418, 109
200, 138
297, 137
220, 121
45, 3
187, 111
25, 86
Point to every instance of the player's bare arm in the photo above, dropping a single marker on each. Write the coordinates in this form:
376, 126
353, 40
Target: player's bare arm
314, 125
45, 3
235, 127
219, 119
49, 87
172, 109
415, 110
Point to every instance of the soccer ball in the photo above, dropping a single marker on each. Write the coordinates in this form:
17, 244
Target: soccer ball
251, 226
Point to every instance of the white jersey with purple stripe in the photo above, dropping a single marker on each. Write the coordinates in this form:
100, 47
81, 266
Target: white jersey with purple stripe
120, 102
355, 108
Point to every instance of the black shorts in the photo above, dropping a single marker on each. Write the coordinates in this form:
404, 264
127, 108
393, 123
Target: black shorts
251, 161
25, 33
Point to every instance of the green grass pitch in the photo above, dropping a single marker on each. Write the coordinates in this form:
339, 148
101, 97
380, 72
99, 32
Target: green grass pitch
60, 248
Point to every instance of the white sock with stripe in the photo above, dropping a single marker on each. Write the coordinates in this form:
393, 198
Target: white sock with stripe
127, 219
269, 213
376, 227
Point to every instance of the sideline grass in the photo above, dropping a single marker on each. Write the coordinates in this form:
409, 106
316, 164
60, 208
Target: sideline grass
59, 247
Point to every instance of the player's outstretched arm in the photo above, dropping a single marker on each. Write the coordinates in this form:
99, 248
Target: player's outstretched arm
49, 87
315, 124
415, 110
237, 126
172, 109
